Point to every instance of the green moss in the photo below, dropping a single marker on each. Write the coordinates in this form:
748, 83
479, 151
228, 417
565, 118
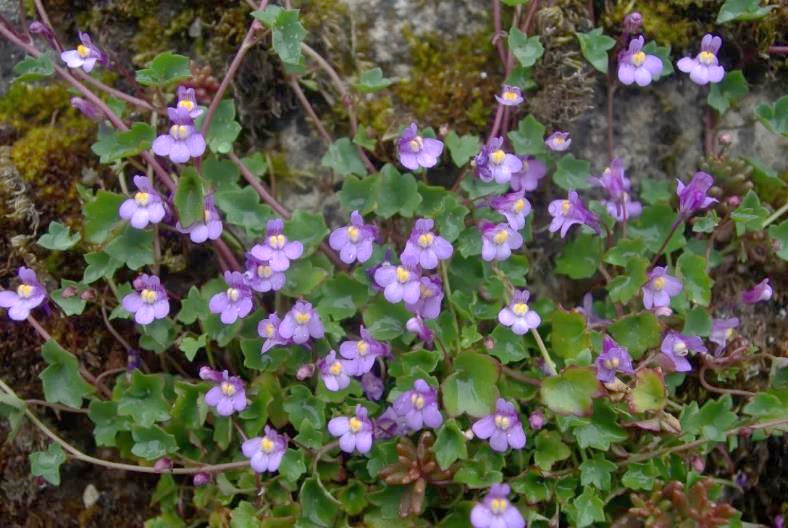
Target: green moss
27, 105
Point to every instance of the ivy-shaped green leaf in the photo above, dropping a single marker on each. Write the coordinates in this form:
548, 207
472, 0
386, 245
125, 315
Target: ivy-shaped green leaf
101, 216
526, 49
742, 10
572, 173
47, 463
62, 381
470, 388
549, 449
462, 148
398, 193
774, 116
732, 88
528, 139
649, 392
58, 237
112, 145
372, 80
779, 234
288, 33
143, 399
637, 332
224, 128
343, 159
625, 286
165, 68
750, 214
571, 392
35, 68
133, 247
595, 46
189, 198
697, 282
450, 444
580, 258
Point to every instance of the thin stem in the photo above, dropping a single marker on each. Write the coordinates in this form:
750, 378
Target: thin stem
56, 406
720, 390
226, 254
496, 122
498, 28
323, 450
611, 89
38, 328
447, 288
778, 50
665, 242
114, 92
110, 372
310, 111
776, 216
519, 376
112, 330
545, 355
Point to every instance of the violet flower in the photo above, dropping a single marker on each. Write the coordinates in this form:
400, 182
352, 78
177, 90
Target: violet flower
492, 163
498, 241
301, 323
502, 428
614, 181
635, 66
372, 385
704, 68
416, 151
210, 227
147, 205
416, 325
354, 432
514, 206
363, 352
28, 295
510, 96
722, 331
234, 302
495, 511
261, 277
149, 301
675, 348
692, 197
399, 282
418, 407
760, 292
183, 141
430, 298
518, 315
268, 329
527, 178
354, 241
569, 212
87, 108
425, 248
85, 56
558, 141
276, 248
614, 358
188, 101
588, 311
660, 288
229, 394
335, 373
265, 452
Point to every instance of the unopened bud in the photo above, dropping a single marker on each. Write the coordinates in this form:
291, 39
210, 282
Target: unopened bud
698, 464
632, 22
69, 292
88, 109
536, 420
670, 423
88, 295
133, 359
745, 432
663, 311
162, 465
305, 371
469, 434
201, 479
489, 343
725, 138
207, 373
733, 201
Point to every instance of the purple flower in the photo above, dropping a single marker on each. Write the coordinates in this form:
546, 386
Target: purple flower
416, 151
722, 331
495, 511
228, 396
588, 310
29, 294
425, 248
183, 141
354, 241
624, 210
268, 328
635, 66
492, 163
276, 248
301, 322
372, 385
363, 352
779, 521
632, 22
334, 372
675, 348
558, 141
87, 108
510, 96
416, 325
85, 56
418, 407
430, 298
569, 212
188, 101
399, 282
146, 207
614, 358
235, 301
660, 288
692, 197
210, 227
354, 432
149, 301
514, 207
261, 277
518, 314
527, 179
704, 68
536, 420
265, 452
503, 427
615, 182
760, 292
498, 241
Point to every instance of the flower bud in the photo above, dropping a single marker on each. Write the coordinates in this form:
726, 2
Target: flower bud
698, 464
733, 201
468, 434
663, 311
489, 343
69, 292
88, 295
207, 373
201, 479
87, 108
39, 28
372, 385
133, 359
632, 22
536, 420
725, 138
162, 465
305, 371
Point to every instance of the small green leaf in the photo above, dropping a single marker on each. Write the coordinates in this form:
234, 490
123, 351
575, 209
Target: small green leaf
190, 346
62, 381
359, 194
570, 392
595, 46
711, 421
101, 216
549, 449
385, 320
774, 116
663, 52
363, 140
134, 247
528, 139
316, 507
58, 237
596, 472
107, 423
244, 516
450, 444
99, 265
343, 159
47, 463
697, 322
293, 465
750, 214
35, 68
706, 223
587, 508
580, 258
625, 286
69, 297
508, 347
569, 335
697, 282
639, 476
462, 148
654, 225
189, 198
112, 145
303, 277
223, 174
649, 391
637, 332
600, 430
743, 10
655, 191
526, 49
572, 173
303, 407
308, 228
242, 207
372, 80
224, 128
732, 88
470, 388
624, 251
779, 234
288, 33
165, 68
342, 296
398, 193
152, 443
143, 399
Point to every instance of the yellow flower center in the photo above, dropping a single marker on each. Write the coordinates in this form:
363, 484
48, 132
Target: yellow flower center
83, 51
426, 239
501, 236
498, 156
353, 233
566, 205
417, 400
638, 58
498, 506
179, 131
233, 294
509, 96
207, 215
355, 425
277, 241
24, 291
559, 140
520, 309
266, 445
612, 363
502, 422
228, 389
680, 348
706, 57
416, 144
302, 317
268, 329
519, 205
142, 198
264, 271
188, 105
402, 274
362, 348
336, 368
425, 292
728, 333
148, 296
659, 283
